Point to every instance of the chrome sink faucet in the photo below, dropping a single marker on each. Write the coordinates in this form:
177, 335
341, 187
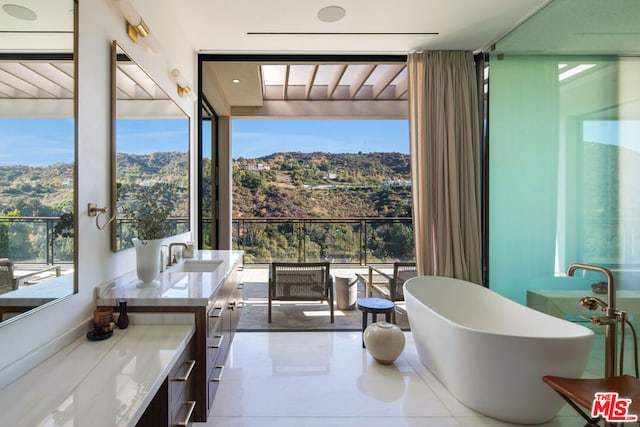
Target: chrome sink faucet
172, 257
609, 320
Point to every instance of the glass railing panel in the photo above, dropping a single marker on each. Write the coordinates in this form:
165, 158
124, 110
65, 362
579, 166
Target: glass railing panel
34, 240
126, 232
341, 241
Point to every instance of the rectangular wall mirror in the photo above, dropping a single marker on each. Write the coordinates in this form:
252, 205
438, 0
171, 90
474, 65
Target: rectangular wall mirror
150, 150
38, 155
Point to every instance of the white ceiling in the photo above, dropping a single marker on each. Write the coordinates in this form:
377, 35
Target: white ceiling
52, 28
44, 86
371, 26
333, 89
514, 26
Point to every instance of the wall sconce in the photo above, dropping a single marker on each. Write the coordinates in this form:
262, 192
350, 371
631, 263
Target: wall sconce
137, 29
94, 210
181, 82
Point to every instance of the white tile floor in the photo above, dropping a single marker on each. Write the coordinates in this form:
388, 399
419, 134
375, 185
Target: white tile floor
309, 379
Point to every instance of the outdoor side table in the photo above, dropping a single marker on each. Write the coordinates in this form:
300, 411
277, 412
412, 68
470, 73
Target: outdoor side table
374, 306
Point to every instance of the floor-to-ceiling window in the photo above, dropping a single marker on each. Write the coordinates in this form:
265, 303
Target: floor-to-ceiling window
207, 188
311, 190
296, 87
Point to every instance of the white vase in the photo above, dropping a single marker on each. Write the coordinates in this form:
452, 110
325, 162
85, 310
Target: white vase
147, 260
384, 341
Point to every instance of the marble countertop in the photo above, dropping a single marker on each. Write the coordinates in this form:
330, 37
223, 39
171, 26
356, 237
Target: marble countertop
39, 293
102, 383
174, 286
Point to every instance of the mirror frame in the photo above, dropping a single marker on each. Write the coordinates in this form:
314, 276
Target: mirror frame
115, 50
75, 289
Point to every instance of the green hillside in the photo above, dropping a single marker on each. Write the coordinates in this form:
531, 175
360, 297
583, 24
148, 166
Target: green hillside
36, 191
322, 185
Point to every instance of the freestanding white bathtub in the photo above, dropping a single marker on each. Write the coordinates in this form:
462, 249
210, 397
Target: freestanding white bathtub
491, 352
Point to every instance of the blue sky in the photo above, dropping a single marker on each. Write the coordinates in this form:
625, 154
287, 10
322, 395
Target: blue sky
257, 138
149, 136
36, 142
41, 142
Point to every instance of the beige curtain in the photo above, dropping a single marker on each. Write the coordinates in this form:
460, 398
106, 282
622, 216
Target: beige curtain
445, 164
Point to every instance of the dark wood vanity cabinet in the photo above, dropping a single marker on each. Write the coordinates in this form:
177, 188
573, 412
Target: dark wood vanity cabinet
215, 326
223, 315
174, 403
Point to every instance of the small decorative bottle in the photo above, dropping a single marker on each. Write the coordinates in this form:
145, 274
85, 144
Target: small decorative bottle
123, 319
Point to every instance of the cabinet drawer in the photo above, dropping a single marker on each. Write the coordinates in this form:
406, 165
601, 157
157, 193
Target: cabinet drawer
180, 381
214, 349
213, 381
182, 413
180, 377
214, 317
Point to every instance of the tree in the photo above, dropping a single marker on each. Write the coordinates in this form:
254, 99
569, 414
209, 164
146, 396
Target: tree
251, 180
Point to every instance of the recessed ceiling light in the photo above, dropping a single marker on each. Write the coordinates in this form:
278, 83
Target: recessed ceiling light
19, 12
331, 13
236, 80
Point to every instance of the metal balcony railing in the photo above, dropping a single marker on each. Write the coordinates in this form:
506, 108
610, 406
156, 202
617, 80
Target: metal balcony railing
33, 240
343, 240
125, 231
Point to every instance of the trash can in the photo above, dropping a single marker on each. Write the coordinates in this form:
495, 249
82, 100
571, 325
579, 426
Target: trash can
346, 293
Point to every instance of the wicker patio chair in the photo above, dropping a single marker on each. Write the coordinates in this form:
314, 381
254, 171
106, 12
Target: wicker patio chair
391, 285
307, 281
7, 282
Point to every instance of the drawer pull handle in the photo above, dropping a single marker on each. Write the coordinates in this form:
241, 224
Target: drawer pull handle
219, 313
240, 286
219, 377
219, 343
232, 305
185, 377
192, 405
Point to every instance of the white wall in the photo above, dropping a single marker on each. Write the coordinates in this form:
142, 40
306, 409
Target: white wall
99, 24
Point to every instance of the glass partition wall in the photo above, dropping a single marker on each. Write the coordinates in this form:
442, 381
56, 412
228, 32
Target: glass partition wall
564, 157
564, 168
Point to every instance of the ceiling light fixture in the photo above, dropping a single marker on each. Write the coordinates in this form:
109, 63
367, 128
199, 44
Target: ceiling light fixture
331, 13
137, 29
19, 12
235, 81
182, 83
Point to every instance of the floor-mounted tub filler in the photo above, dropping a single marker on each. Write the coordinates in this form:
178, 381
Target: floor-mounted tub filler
490, 352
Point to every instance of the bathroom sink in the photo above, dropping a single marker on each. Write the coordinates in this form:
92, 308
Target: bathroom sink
198, 265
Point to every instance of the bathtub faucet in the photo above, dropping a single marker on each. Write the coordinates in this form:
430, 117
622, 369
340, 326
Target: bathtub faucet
609, 320
591, 303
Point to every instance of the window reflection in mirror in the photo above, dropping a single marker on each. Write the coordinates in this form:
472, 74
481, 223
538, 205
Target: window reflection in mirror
150, 150
37, 156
